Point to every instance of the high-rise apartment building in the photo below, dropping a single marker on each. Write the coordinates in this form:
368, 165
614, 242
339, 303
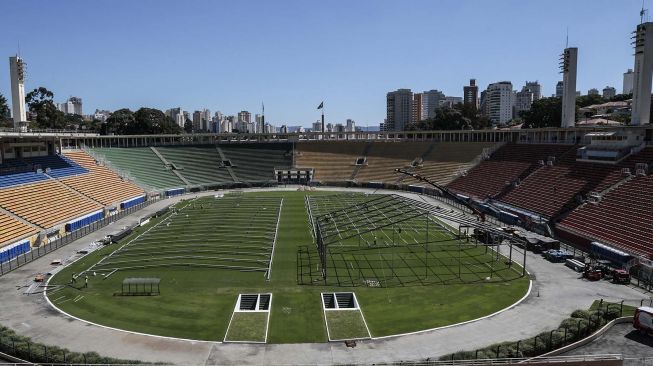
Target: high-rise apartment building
470, 93
417, 108
431, 100
399, 109
559, 89
244, 116
534, 88
72, 106
628, 82
499, 102
609, 92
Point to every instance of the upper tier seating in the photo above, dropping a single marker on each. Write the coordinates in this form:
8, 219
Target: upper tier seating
142, 164
550, 190
198, 164
100, 184
59, 165
332, 160
446, 160
21, 178
384, 157
623, 217
508, 163
256, 162
46, 203
12, 229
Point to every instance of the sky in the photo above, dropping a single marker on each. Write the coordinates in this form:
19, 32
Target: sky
230, 56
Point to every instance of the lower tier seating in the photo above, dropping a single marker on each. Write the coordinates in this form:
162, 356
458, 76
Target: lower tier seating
623, 217
384, 157
12, 229
100, 183
46, 203
507, 164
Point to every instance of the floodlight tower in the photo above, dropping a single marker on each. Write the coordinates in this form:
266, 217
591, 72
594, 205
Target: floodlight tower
568, 66
641, 108
17, 71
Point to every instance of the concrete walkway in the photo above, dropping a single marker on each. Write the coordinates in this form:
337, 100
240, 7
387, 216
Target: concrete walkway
557, 291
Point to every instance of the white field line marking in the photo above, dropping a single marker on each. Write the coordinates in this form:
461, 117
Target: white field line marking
274, 242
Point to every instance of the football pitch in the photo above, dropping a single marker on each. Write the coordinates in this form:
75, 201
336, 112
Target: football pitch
409, 271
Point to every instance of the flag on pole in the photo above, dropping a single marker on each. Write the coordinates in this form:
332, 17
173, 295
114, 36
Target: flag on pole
320, 106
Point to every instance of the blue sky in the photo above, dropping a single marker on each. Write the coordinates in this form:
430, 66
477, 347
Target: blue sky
231, 55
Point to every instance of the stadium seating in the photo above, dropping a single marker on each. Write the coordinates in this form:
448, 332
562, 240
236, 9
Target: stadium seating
141, 164
256, 162
100, 184
445, 160
13, 229
507, 164
21, 178
59, 165
332, 160
551, 190
46, 203
384, 157
198, 164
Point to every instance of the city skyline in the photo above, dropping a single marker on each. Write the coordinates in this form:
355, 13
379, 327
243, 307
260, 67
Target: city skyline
127, 65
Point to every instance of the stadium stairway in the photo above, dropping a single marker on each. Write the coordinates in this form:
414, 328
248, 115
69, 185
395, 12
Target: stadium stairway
224, 158
197, 164
358, 167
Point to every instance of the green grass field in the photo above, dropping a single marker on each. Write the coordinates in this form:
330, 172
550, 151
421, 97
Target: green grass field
247, 327
203, 267
346, 324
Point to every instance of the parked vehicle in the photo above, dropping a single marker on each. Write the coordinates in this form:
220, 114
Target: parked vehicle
643, 320
621, 276
593, 274
576, 265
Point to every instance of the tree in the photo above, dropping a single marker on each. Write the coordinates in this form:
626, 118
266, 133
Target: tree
41, 104
119, 123
188, 126
544, 112
470, 111
445, 119
4, 108
590, 99
153, 121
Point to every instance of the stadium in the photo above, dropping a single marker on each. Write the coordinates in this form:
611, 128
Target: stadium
317, 248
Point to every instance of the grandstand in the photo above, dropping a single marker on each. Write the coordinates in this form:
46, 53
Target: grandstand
197, 164
13, 229
384, 157
100, 184
508, 164
141, 164
47, 203
332, 160
257, 162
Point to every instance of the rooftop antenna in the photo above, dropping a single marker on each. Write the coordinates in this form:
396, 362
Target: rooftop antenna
642, 13
567, 39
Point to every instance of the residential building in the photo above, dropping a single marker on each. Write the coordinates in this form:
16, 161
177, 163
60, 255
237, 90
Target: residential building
470, 93
351, 126
317, 126
559, 88
499, 102
450, 102
101, 115
399, 109
535, 88
431, 100
244, 116
72, 106
628, 82
417, 108
523, 101
609, 92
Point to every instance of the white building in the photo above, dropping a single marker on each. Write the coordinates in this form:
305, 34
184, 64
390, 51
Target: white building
641, 110
499, 100
628, 82
523, 101
317, 126
72, 106
101, 115
351, 126
569, 68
